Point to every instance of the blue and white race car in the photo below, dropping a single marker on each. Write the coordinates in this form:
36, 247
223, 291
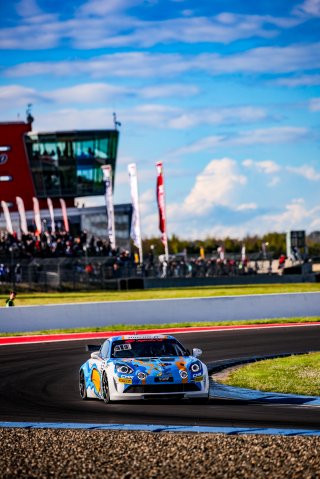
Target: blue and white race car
143, 367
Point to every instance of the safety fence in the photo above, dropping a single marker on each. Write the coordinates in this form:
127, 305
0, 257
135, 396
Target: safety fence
44, 274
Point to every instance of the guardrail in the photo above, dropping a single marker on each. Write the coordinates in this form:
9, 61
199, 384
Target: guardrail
227, 308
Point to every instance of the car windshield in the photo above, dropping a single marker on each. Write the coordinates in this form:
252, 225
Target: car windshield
147, 348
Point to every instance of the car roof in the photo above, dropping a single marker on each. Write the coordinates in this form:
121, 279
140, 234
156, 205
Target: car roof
141, 336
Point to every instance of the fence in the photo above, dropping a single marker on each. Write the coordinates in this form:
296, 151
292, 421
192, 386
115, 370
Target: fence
46, 274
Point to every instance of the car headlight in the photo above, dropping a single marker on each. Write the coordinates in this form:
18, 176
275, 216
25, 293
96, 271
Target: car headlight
123, 369
141, 375
196, 367
183, 374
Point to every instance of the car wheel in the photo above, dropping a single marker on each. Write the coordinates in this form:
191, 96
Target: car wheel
82, 386
105, 389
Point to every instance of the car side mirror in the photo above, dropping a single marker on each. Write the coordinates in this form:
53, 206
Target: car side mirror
95, 355
196, 352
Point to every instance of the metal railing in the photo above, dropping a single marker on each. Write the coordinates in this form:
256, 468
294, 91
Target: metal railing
44, 274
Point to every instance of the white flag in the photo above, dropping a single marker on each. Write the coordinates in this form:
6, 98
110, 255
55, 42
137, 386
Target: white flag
135, 223
22, 214
7, 217
37, 217
107, 176
50, 206
64, 215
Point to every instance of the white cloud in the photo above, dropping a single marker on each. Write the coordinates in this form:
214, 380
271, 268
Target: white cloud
246, 207
309, 7
176, 90
27, 8
306, 171
101, 7
314, 104
147, 201
86, 93
296, 81
218, 116
267, 136
274, 181
281, 134
271, 60
108, 24
268, 167
295, 215
72, 118
215, 185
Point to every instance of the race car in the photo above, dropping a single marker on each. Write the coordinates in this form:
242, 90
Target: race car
143, 367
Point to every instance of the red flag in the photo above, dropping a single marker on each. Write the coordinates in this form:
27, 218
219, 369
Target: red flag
161, 205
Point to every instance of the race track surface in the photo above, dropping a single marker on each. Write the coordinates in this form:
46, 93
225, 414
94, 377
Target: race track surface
39, 383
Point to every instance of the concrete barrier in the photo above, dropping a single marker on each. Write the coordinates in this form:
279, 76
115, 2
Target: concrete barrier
227, 308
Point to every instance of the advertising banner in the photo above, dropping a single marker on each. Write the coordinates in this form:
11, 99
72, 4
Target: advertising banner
22, 214
64, 215
7, 217
135, 232
50, 206
107, 176
37, 217
161, 206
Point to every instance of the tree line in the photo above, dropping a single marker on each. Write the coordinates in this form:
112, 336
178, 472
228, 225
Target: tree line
275, 244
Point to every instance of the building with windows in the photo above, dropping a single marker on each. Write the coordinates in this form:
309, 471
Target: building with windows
61, 164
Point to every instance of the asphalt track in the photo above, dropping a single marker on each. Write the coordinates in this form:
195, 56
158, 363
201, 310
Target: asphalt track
39, 383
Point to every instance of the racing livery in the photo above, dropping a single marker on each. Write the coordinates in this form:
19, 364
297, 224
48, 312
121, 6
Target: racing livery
143, 367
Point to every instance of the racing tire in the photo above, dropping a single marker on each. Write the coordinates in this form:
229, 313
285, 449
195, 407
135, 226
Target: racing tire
105, 389
82, 386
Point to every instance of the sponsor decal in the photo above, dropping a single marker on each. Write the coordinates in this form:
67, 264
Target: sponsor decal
143, 338
125, 380
3, 158
96, 379
198, 378
163, 379
120, 347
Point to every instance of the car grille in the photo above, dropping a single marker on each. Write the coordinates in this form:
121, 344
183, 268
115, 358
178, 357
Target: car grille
162, 388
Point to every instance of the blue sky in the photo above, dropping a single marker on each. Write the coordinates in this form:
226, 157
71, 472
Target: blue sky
226, 93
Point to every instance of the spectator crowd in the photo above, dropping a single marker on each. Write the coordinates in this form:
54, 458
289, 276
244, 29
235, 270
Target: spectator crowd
89, 254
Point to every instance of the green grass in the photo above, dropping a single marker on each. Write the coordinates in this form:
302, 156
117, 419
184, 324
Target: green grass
31, 299
294, 374
133, 327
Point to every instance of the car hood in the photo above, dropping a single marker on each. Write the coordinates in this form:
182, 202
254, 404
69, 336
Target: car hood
157, 366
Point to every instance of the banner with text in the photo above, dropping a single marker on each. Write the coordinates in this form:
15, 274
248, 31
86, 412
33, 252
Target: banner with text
107, 176
51, 212
22, 214
37, 217
135, 232
161, 206
7, 217
64, 215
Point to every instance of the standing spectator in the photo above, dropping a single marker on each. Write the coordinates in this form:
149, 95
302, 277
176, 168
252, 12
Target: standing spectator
10, 300
17, 272
282, 261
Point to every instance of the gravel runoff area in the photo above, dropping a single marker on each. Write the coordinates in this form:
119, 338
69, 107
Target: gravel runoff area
45, 453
